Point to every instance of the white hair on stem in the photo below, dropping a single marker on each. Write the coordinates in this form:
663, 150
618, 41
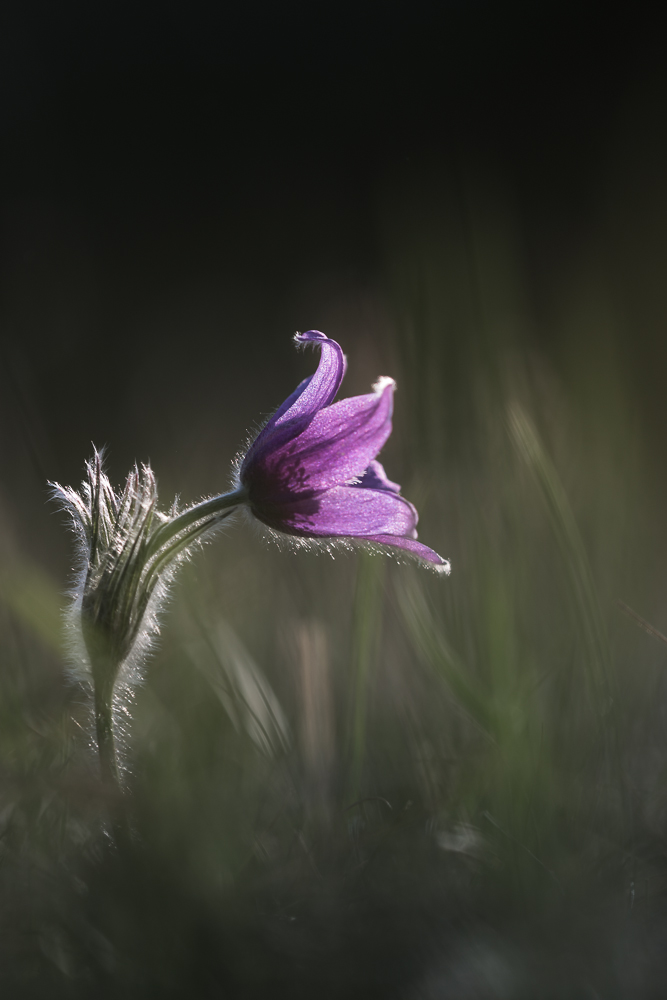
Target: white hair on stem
128, 555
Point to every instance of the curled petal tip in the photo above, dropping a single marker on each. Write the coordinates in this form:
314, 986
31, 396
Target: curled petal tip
384, 382
309, 336
444, 568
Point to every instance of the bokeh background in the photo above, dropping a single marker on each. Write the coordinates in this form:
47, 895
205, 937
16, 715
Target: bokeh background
347, 777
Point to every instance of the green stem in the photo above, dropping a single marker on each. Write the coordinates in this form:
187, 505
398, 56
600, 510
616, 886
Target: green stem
106, 748
199, 512
106, 744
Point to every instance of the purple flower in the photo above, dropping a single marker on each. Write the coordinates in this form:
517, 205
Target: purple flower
312, 470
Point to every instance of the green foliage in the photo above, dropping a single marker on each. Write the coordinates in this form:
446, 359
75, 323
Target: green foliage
349, 776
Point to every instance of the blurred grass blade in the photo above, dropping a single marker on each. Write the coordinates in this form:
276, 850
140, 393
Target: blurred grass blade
317, 721
442, 658
241, 687
367, 616
586, 606
638, 620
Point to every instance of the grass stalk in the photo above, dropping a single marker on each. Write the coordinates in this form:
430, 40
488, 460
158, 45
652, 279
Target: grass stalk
367, 615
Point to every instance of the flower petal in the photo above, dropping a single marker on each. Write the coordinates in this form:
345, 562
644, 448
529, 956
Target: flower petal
343, 511
308, 398
317, 390
414, 548
325, 383
336, 446
375, 478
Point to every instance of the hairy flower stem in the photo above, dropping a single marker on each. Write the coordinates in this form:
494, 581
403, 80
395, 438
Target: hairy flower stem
106, 744
105, 671
207, 510
130, 551
106, 649
105, 665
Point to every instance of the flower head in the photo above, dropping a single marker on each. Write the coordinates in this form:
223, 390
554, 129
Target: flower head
128, 554
312, 471
129, 551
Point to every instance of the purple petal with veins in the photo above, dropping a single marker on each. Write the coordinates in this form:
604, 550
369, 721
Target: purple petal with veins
309, 397
344, 510
375, 478
335, 447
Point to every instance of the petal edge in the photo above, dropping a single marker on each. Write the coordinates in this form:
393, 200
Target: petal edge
414, 548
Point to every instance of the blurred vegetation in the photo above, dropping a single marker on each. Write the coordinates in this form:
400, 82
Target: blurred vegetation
350, 777
455, 786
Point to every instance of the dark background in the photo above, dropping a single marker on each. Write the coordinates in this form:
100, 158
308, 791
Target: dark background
185, 185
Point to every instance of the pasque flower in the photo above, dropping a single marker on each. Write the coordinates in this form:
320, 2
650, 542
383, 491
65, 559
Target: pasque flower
312, 471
